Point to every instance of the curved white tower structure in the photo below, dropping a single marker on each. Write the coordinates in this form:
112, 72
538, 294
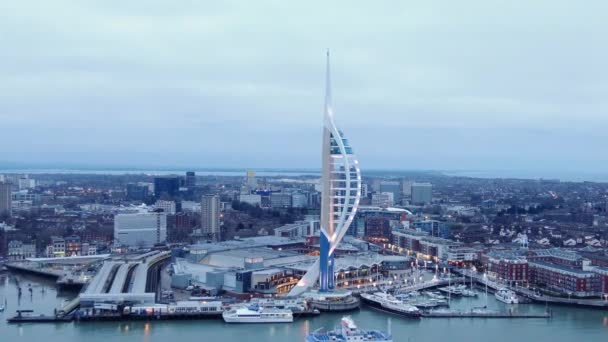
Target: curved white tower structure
341, 181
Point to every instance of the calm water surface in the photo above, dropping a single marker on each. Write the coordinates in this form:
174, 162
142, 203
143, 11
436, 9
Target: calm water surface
568, 324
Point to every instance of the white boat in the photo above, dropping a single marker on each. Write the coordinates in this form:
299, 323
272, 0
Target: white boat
349, 332
293, 304
506, 296
256, 314
385, 302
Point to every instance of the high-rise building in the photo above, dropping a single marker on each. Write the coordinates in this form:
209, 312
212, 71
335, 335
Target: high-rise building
210, 217
422, 193
6, 198
140, 229
190, 179
341, 192
250, 180
364, 191
167, 186
406, 189
137, 192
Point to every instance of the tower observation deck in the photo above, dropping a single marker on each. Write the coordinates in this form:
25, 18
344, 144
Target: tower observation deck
341, 182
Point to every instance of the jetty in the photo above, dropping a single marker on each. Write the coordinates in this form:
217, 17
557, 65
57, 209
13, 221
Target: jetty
28, 316
482, 314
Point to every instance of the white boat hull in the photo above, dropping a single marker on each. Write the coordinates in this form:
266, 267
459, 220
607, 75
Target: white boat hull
256, 320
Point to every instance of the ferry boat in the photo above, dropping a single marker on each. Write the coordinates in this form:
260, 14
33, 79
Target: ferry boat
348, 332
506, 296
385, 302
256, 314
293, 304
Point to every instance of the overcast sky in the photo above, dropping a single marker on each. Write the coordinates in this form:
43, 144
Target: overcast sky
417, 84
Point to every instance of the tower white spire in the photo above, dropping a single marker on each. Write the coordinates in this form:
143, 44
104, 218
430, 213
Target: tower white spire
341, 182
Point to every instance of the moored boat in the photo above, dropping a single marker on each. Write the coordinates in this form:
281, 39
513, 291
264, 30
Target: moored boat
506, 296
256, 314
385, 302
347, 332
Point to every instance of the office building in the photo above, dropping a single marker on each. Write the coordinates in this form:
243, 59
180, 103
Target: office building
280, 200
341, 193
433, 228
253, 199
168, 207
137, 192
190, 179
26, 183
422, 193
166, 187
378, 228
142, 230
364, 190
383, 199
299, 200
210, 217
392, 187
6, 199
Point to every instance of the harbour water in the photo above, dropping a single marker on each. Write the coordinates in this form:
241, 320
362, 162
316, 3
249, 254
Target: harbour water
568, 323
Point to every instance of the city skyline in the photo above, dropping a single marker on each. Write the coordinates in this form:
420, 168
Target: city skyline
485, 87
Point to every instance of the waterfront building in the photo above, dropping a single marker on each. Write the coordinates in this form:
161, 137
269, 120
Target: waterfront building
58, 247
341, 184
422, 193
210, 217
88, 249
140, 229
565, 280
72, 245
6, 198
433, 228
413, 242
378, 229
509, 266
18, 250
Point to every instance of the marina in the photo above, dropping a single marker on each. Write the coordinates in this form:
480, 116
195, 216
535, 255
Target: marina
565, 324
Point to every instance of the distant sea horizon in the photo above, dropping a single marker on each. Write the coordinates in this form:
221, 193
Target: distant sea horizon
566, 176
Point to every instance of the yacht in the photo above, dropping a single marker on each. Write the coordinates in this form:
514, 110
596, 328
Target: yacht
257, 314
506, 296
348, 332
385, 302
294, 304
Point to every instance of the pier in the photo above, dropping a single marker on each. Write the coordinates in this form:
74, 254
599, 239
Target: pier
482, 314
